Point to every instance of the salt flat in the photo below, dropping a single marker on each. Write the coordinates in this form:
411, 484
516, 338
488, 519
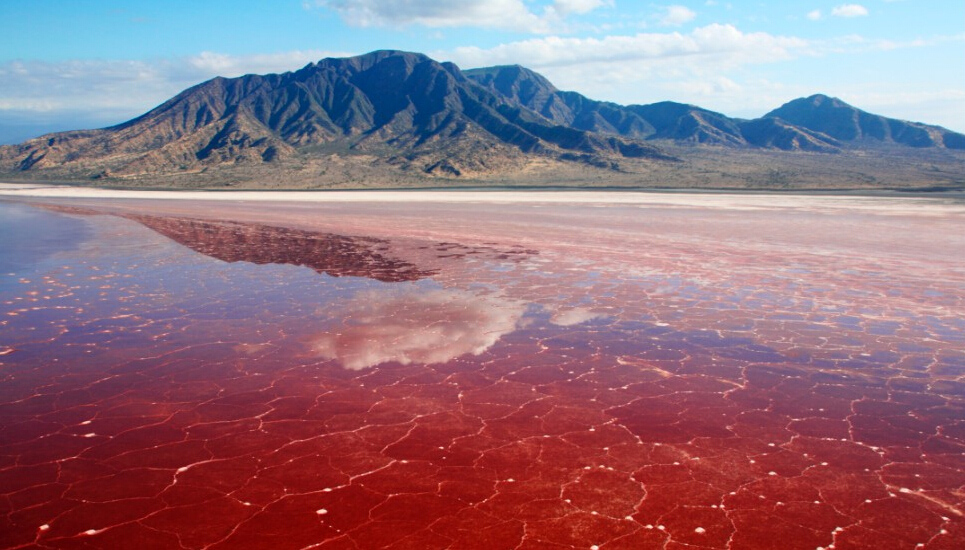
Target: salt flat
719, 200
482, 370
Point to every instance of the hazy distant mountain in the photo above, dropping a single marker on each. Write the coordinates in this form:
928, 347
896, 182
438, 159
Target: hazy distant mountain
837, 119
389, 114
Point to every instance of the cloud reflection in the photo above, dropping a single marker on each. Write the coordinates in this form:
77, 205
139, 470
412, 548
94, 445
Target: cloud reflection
572, 317
416, 326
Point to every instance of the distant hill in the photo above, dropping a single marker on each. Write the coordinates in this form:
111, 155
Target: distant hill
396, 118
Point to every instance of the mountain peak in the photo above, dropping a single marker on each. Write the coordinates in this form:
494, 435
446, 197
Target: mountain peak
841, 121
367, 61
819, 101
514, 81
379, 55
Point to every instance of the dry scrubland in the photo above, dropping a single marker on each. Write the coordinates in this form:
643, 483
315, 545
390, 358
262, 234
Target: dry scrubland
704, 167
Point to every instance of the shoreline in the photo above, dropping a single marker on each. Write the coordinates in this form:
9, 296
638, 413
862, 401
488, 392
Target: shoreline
920, 192
893, 202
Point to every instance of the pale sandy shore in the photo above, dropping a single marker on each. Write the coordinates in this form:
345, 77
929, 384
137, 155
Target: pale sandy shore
602, 198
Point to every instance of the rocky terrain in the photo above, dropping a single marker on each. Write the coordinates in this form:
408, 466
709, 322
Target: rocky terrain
398, 119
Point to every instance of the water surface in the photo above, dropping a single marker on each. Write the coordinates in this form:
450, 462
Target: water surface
482, 376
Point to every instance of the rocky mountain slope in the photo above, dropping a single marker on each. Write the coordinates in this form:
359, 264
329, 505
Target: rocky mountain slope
838, 120
404, 108
397, 118
817, 123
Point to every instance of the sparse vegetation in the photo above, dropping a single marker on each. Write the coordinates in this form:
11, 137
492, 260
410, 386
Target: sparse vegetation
338, 125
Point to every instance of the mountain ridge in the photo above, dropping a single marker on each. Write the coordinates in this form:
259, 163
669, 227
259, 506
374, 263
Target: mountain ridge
690, 123
405, 116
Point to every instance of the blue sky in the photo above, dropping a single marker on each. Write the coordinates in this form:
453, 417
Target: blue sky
68, 64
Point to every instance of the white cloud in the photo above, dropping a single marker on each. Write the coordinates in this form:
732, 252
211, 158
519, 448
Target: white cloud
437, 13
695, 67
571, 317
566, 7
814, 15
849, 10
674, 16
416, 327
713, 45
490, 14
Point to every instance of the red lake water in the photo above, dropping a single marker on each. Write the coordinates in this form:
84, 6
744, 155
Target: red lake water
704, 372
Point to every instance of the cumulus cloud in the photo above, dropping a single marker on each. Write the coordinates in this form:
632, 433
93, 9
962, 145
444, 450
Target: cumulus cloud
692, 67
492, 14
814, 15
710, 44
849, 10
416, 327
674, 16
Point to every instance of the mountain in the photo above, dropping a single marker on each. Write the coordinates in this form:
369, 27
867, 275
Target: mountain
405, 108
840, 121
527, 89
391, 118
818, 123
524, 88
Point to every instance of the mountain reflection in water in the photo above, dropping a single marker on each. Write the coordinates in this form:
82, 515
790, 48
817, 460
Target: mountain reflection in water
334, 255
